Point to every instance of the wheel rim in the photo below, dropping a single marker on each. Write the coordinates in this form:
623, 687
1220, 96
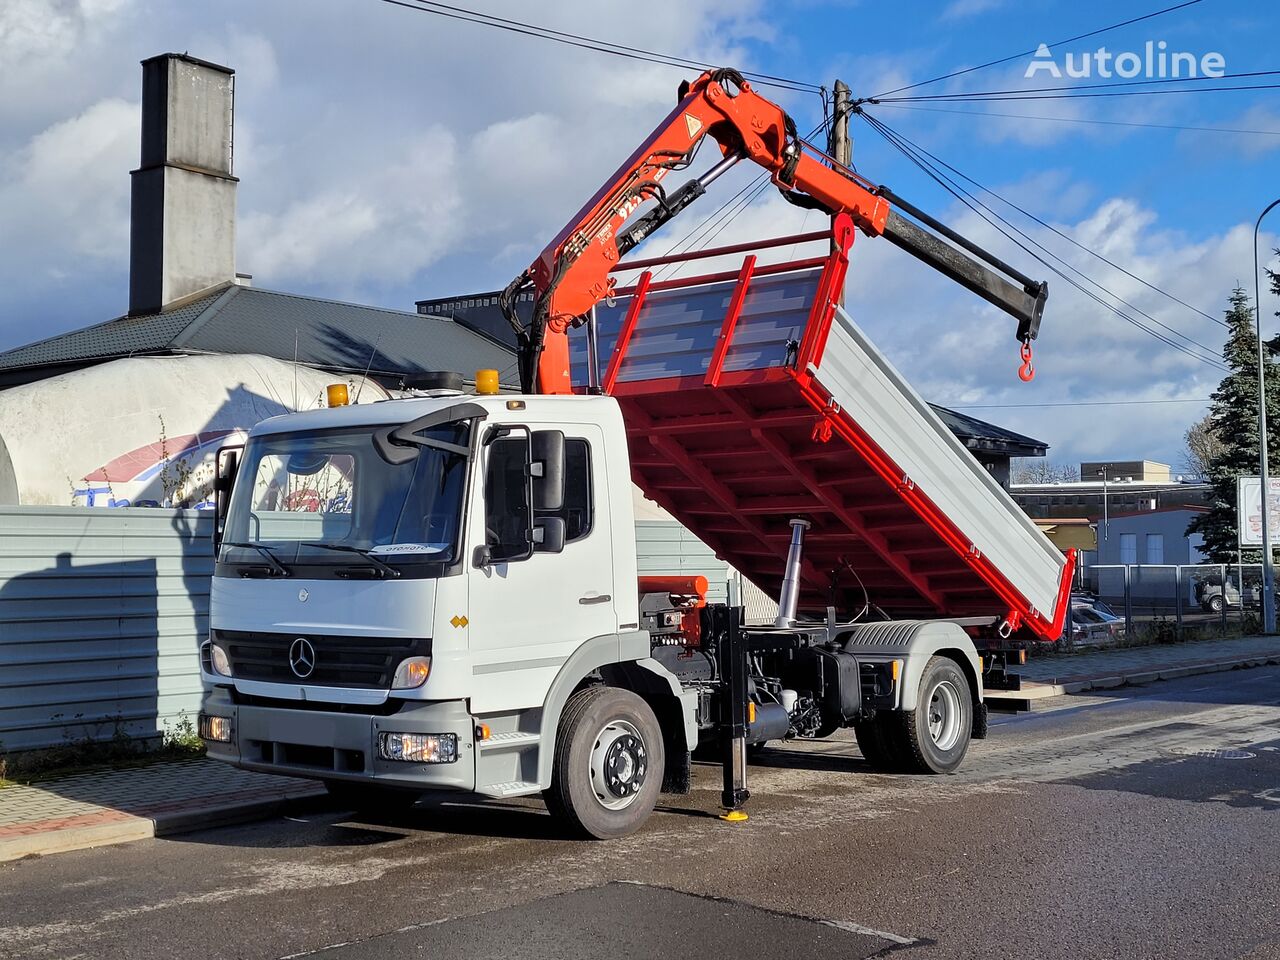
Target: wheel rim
619, 763
944, 715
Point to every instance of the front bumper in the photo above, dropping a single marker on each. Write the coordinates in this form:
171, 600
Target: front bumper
341, 746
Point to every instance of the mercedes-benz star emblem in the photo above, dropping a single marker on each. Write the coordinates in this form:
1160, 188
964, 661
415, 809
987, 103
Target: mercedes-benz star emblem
302, 595
302, 658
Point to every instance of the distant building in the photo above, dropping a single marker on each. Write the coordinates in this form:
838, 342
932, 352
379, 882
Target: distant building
1109, 489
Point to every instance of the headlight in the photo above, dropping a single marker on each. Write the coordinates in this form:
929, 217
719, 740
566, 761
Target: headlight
221, 665
411, 673
418, 747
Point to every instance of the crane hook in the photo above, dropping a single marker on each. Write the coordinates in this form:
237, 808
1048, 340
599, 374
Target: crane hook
1026, 372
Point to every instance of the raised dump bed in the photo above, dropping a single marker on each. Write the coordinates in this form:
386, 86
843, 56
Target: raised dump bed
751, 398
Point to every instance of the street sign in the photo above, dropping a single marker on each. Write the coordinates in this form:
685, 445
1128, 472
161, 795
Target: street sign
1249, 510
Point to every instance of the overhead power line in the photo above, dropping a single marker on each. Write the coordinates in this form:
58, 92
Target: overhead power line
1066, 93
1089, 86
590, 43
1071, 240
1045, 256
1085, 120
1033, 50
1073, 403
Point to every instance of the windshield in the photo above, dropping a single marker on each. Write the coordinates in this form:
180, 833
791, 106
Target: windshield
324, 502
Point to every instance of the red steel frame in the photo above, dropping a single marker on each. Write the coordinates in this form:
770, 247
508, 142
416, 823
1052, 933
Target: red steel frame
953, 578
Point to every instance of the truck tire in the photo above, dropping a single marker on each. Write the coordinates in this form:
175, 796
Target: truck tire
607, 769
1216, 603
370, 797
934, 737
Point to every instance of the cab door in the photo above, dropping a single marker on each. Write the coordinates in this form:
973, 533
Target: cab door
530, 608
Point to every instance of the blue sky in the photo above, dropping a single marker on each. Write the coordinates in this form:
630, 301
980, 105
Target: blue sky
387, 156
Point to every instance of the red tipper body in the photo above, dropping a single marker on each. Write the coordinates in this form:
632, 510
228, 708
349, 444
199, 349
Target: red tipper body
751, 398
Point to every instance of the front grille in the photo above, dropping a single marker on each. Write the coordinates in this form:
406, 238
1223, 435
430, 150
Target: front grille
368, 662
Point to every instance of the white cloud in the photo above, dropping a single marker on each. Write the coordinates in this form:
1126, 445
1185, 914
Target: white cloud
69, 186
959, 9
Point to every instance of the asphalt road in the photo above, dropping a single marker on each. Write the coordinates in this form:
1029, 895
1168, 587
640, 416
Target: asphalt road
1143, 824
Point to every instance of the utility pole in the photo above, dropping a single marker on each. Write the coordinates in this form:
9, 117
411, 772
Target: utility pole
1268, 572
838, 143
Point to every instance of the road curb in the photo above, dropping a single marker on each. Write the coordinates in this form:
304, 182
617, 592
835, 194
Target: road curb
76, 838
190, 821
125, 828
1034, 692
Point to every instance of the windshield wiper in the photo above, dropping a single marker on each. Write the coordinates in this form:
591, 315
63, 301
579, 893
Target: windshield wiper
279, 568
386, 568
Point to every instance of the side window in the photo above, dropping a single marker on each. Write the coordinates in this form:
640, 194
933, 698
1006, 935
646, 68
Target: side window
506, 500
578, 505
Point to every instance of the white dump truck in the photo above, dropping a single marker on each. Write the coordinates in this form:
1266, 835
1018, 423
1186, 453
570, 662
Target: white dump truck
440, 592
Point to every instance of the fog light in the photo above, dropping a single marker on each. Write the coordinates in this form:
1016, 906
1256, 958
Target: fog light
418, 747
215, 728
411, 673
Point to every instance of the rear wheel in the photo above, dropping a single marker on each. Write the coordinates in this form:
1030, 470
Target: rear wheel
370, 797
934, 737
1216, 604
608, 763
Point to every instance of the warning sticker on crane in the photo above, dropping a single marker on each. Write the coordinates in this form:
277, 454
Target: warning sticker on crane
693, 124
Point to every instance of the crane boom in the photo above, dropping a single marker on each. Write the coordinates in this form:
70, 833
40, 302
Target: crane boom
571, 275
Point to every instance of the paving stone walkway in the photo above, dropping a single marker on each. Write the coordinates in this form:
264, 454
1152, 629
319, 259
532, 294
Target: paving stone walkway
1141, 660
108, 806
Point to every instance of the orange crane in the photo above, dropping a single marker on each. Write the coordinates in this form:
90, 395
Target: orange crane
572, 274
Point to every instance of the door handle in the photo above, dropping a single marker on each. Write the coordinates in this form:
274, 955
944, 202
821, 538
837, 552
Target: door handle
594, 598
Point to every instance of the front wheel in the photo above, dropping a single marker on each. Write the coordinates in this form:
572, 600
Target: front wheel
934, 737
609, 758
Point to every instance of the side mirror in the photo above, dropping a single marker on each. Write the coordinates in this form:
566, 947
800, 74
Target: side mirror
228, 464
547, 470
548, 535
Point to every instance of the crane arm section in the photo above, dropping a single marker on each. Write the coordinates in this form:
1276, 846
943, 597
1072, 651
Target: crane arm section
571, 275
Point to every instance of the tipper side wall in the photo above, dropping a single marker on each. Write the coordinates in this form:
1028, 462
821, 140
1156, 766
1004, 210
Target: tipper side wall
750, 398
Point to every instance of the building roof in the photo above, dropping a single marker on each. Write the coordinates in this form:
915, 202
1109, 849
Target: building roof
981, 435
328, 334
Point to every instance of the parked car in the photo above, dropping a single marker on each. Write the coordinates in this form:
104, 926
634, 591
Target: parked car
1214, 596
1092, 625
1090, 600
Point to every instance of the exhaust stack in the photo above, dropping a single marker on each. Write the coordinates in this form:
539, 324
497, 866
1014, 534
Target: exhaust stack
790, 597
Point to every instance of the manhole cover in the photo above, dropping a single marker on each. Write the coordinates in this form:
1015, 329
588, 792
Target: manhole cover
1212, 753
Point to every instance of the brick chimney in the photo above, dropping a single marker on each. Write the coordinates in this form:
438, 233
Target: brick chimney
183, 220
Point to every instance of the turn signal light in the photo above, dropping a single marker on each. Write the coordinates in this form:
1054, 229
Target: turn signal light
751, 711
411, 673
336, 394
487, 382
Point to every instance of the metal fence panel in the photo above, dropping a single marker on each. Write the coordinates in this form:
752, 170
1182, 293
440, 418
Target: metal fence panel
101, 612
1170, 602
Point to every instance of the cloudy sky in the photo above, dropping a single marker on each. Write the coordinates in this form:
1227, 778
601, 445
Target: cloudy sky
386, 156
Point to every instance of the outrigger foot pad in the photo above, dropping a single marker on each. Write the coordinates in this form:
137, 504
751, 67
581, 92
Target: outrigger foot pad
734, 816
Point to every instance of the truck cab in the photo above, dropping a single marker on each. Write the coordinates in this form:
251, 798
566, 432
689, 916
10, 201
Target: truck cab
406, 593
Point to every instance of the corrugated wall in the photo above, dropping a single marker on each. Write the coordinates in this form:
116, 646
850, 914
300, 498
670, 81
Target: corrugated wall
101, 612
664, 546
